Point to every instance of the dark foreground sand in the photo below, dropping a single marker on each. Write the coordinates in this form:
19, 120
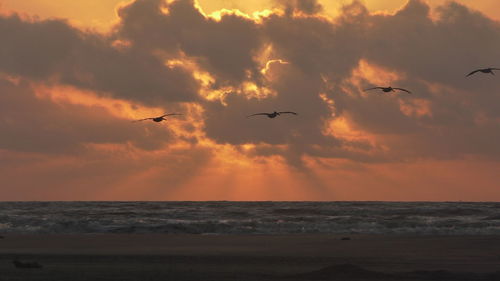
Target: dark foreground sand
233, 257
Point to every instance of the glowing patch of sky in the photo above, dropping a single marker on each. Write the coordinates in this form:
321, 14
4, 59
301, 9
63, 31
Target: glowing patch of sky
101, 14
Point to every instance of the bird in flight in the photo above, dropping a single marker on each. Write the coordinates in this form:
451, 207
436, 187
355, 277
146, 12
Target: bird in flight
484, 70
274, 114
159, 118
388, 89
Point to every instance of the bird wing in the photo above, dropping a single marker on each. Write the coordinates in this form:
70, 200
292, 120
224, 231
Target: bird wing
170, 114
257, 114
495, 68
473, 72
374, 88
404, 90
142, 119
289, 112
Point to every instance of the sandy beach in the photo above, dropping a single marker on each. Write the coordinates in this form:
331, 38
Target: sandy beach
250, 257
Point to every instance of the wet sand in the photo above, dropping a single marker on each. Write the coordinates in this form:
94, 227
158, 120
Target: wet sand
250, 257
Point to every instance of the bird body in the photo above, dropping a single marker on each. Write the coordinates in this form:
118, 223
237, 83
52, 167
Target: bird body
274, 114
484, 70
157, 119
388, 89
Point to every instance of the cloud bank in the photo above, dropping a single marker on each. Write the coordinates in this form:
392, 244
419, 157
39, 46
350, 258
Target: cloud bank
219, 68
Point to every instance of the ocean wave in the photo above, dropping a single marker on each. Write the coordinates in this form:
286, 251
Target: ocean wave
251, 218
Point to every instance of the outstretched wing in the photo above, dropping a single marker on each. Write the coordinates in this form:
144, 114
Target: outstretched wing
289, 112
473, 72
374, 88
142, 119
258, 114
404, 90
170, 114
495, 68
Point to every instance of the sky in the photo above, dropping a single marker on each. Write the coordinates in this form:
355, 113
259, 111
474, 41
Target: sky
74, 75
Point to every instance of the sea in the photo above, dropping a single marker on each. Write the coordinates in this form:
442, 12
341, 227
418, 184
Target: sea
270, 218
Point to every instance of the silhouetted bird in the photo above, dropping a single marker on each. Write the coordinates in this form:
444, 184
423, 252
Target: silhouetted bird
20, 264
157, 119
388, 89
484, 70
274, 114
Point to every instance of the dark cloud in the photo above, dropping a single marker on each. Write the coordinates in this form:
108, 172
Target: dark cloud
225, 48
127, 74
36, 49
51, 49
308, 7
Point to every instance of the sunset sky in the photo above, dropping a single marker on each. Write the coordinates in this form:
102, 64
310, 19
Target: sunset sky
75, 73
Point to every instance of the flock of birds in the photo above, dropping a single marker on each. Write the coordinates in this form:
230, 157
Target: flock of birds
275, 114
